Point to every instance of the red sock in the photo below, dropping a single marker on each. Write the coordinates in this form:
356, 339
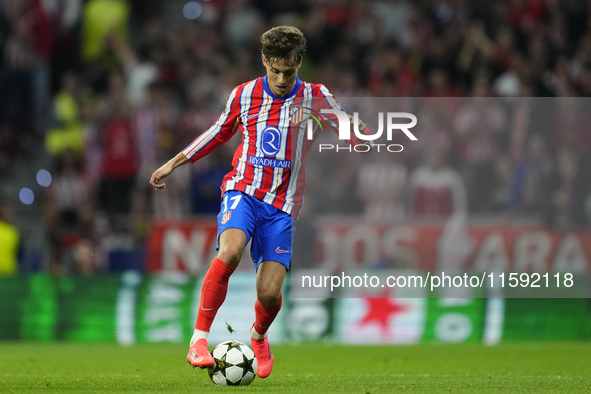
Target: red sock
265, 316
213, 293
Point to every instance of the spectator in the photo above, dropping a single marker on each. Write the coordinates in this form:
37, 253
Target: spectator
101, 18
199, 114
69, 191
529, 185
140, 70
394, 17
381, 186
509, 82
525, 14
432, 130
10, 240
391, 67
439, 85
27, 50
331, 183
244, 23
119, 165
69, 211
68, 132
527, 116
571, 124
499, 195
92, 140
158, 138
568, 188
437, 190
479, 126
154, 126
477, 48
80, 259
205, 184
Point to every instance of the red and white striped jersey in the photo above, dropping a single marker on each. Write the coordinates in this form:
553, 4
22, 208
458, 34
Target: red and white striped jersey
269, 163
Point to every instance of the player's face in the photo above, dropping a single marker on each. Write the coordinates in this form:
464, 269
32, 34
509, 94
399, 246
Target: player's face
281, 76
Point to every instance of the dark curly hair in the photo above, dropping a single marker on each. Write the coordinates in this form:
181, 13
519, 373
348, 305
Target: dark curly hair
283, 42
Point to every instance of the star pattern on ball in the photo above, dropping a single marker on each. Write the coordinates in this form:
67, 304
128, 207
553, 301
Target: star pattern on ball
230, 369
220, 365
246, 365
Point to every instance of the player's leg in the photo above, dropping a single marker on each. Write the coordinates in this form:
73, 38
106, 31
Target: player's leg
213, 293
271, 250
235, 226
270, 277
215, 283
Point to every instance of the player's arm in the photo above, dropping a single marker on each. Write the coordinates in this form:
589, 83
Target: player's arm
166, 170
222, 130
334, 104
362, 129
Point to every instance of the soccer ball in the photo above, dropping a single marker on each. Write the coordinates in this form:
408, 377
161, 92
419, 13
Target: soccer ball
235, 364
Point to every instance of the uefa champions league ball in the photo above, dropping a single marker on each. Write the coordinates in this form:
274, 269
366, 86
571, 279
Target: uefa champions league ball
235, 364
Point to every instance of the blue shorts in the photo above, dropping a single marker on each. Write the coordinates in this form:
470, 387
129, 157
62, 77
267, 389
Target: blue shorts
271, 230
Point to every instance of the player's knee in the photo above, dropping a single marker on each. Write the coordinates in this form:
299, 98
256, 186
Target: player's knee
230, 254
268, 297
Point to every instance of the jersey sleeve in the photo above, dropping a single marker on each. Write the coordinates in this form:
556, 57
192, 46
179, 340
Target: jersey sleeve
221, 131
331, 102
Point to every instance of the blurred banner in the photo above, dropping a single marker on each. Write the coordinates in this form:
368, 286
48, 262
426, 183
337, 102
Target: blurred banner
133, 308
341, 244
503, 259
184, 246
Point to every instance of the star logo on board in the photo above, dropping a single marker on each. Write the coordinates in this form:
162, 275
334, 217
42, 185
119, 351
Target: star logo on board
380, 311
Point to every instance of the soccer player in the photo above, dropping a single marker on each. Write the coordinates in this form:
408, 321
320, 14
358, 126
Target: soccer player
261, 198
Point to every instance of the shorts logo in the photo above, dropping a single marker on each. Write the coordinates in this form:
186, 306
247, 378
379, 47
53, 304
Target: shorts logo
281, 251
271, 141
226, 217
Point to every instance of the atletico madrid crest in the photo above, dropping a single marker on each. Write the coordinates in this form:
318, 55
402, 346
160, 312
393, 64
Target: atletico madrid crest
296, 114
226, 217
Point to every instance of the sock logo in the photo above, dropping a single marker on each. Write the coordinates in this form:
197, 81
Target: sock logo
207, 309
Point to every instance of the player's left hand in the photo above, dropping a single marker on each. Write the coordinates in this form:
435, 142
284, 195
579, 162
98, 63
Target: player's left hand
362, 129
360, 124
160, 174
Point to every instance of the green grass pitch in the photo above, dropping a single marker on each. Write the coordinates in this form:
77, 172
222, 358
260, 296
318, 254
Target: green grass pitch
304, 368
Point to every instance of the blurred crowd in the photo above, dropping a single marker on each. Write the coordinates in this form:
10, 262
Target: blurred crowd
114, 88
520, 158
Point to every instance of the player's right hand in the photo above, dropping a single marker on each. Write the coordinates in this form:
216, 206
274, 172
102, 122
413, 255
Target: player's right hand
160, 174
